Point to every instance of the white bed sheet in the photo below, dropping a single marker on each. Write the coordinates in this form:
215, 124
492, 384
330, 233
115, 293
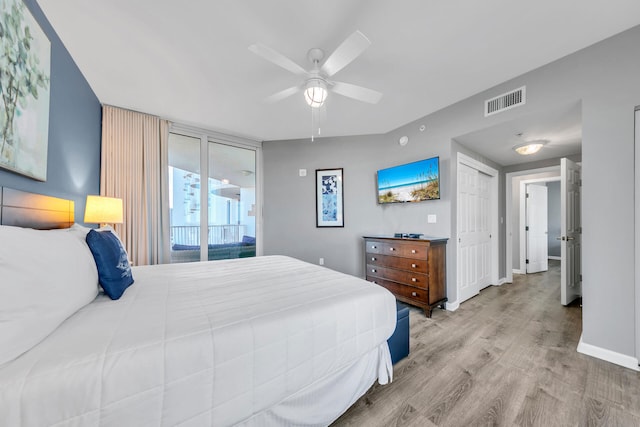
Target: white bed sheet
217, 343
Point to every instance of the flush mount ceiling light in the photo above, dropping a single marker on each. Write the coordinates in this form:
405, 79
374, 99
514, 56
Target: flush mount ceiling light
530, 147
315, 93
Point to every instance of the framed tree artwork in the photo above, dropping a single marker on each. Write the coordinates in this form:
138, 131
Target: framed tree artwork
329, 198
25, 66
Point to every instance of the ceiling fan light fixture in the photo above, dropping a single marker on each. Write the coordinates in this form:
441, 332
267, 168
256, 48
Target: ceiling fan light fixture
315, 93
531, 147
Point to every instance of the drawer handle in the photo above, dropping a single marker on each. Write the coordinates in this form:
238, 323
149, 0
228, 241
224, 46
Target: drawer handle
374, 247
414, 294
413, 266
413, 251
413, 279
373, 258
392, 249
373, 270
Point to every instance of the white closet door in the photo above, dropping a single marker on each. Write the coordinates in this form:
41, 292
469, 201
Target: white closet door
468, 232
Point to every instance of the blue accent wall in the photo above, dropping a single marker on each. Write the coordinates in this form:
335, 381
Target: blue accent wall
75, 126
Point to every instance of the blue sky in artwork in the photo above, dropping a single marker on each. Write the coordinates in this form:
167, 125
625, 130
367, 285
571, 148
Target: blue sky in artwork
411, 173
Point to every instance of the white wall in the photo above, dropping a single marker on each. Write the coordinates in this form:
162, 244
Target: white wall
604, 77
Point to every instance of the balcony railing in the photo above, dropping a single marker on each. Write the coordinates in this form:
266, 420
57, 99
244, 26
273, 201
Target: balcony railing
218, 234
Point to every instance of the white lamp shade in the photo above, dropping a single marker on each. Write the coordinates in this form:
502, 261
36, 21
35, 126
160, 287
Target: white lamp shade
315, 93
103, 210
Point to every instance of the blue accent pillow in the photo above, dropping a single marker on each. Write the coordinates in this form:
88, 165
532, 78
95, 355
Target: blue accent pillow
114, 271
248, 239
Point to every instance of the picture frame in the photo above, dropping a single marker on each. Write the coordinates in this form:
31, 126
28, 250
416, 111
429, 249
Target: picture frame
25, 90
329, 198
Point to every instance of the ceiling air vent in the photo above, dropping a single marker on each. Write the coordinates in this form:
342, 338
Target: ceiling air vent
505, 101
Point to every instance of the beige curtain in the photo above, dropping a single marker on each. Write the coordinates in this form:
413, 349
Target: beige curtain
134, 167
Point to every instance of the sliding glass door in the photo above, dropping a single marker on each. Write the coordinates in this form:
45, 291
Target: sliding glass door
212, 190
231, 202
184, 197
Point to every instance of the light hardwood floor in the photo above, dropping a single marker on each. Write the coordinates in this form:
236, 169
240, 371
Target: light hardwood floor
506, 357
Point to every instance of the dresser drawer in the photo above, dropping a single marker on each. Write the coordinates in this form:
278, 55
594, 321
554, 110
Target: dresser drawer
406, 277
414, 251
417, 265
420, 296
374, 247
398, 248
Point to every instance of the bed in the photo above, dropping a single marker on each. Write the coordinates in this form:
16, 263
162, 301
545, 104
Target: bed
255, 341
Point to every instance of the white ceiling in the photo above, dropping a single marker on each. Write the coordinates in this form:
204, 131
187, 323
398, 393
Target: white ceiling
188, 61
561, 127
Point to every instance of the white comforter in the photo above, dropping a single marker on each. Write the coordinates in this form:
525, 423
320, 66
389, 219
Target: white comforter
215, 343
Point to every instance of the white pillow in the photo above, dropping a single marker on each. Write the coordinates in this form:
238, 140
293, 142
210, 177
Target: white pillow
45, 277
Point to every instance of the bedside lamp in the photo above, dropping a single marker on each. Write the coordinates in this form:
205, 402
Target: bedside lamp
103, 210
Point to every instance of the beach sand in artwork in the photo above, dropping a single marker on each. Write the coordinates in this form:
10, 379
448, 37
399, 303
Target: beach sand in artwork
403, 194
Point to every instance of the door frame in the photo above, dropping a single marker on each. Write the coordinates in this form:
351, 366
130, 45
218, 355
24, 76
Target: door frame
523, 217
494, 221
637, 226
509, 214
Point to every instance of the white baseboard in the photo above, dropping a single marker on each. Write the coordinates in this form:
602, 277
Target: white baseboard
502, 281
557, 258
517, 271
452, 306
608, 355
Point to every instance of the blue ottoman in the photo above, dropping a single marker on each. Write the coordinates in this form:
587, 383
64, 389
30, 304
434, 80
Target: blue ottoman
399, 341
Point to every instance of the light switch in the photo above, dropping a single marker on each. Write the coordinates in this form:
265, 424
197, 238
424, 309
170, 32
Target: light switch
302, 172
431, 219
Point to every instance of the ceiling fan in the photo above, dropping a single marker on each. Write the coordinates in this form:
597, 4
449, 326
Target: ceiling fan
317, 81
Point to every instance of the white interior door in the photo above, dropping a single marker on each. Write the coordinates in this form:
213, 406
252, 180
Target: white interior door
571, 230
484, 230
468, 231
537, 228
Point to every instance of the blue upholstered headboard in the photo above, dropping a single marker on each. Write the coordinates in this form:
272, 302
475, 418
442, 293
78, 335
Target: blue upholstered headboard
23, 209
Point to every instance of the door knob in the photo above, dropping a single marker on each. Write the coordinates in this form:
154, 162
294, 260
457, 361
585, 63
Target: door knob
570, 238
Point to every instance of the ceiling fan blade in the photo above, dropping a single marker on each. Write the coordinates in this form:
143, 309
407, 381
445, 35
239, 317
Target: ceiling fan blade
278, 96
277, 58
349, 50
356, 92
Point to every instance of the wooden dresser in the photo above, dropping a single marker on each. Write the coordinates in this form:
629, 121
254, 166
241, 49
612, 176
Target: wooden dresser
414, 270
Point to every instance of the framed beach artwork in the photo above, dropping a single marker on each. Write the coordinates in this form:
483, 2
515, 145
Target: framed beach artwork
25, 66
329, 198
411, 182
